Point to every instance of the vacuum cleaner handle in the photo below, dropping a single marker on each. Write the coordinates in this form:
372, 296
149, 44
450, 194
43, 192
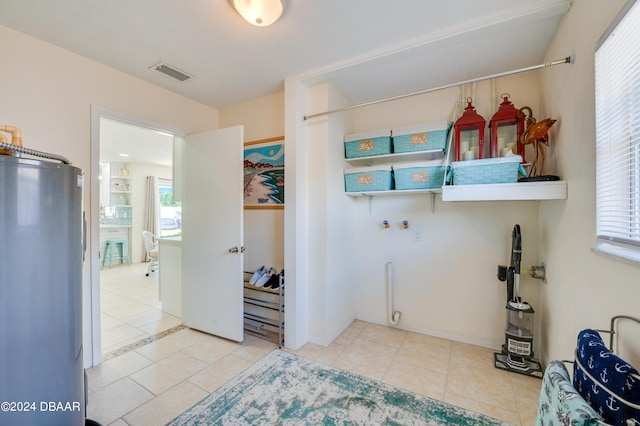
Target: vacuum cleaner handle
510, 284
516, 248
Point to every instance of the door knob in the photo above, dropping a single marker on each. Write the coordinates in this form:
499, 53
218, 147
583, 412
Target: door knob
233, 249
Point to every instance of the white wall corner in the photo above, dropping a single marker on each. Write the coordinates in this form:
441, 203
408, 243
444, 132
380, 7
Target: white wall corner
296, 212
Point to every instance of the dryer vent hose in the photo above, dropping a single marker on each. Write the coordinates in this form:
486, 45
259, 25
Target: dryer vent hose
16, 145
16, 138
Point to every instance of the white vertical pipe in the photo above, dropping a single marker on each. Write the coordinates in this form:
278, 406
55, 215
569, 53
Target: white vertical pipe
393, 316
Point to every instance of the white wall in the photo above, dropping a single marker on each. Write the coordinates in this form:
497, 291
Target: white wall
262, 118
318, 141
584, 289
296, 215
342, 247
48, 93
332, 249
446, 283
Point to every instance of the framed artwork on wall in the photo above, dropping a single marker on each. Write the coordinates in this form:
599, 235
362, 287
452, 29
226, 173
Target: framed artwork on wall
264, 173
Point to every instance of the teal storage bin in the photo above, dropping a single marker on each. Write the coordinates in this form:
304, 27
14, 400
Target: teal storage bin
365, 179
419, 175
367, 144
488, 170
421, 137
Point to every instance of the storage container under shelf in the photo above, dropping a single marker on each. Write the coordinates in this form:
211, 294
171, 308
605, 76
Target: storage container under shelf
486, 171
264, 311
367, 144
421, 137
366, 179
419, 175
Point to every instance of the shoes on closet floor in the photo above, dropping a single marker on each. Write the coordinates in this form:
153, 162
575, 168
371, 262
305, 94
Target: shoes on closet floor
265, 277
256, 275
275, 281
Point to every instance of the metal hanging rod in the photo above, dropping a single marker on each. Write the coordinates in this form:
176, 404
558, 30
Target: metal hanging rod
567, 60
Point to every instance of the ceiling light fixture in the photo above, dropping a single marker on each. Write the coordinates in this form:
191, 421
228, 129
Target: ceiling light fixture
259, 12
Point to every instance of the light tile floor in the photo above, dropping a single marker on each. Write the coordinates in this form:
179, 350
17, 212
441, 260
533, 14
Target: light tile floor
156, 382
130, 307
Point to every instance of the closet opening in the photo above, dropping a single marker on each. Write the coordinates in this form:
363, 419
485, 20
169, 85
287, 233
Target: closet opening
264, 276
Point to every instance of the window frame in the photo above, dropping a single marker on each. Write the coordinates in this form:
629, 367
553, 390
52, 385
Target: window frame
618, 174
164, 183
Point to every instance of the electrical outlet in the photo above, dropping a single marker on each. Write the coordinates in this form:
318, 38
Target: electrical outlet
417, 236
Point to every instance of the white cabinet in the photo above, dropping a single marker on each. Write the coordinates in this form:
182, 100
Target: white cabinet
120, 185
170, 275
120, 191
115, 185
116, 215
115, 195
113, 233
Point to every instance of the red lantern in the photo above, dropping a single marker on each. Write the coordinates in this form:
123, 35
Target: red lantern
507, 126
469, 133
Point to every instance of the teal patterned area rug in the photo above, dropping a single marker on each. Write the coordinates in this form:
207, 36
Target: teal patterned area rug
286, 389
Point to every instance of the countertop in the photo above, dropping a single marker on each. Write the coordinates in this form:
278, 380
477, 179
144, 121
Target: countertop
171, 241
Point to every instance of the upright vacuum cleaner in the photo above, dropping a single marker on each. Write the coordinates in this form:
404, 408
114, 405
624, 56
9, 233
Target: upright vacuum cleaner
517, 351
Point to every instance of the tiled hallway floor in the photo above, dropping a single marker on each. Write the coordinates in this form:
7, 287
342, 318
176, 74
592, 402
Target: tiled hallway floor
156, 382
130, 307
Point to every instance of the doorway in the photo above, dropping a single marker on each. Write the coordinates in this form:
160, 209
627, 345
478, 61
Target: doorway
123, 304
204, 178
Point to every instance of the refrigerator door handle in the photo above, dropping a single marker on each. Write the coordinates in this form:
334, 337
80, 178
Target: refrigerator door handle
84, 234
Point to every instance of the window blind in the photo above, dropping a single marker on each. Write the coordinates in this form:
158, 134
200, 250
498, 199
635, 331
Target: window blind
617, 100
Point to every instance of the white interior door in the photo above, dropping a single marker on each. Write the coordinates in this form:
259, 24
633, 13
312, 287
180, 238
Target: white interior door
212, 240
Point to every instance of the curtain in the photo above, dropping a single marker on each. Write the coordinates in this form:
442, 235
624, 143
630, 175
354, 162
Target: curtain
152, 210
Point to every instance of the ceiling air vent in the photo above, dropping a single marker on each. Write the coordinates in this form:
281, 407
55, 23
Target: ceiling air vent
171, 71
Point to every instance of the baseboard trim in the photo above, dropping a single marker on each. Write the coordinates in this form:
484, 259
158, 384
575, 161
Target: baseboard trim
435, 333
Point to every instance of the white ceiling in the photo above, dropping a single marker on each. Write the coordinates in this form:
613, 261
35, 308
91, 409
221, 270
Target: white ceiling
369, 49
126, 143
399, 45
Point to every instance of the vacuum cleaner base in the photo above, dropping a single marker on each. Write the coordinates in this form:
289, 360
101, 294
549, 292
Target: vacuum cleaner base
528, 367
